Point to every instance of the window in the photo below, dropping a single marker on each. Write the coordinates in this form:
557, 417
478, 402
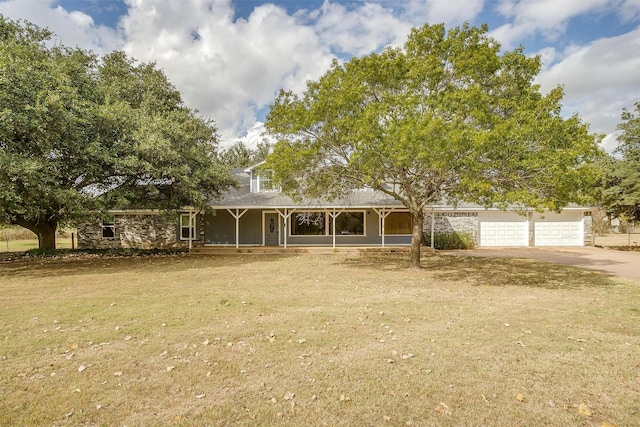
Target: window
308, 224
350, 224
185, 229
264, 182
397, 223
109, 227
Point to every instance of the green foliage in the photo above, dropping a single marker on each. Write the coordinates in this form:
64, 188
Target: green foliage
453, 240
448, 117
79, 134
241, 156
620, 187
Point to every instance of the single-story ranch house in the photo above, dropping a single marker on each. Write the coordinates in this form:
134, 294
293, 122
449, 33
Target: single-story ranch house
257, 214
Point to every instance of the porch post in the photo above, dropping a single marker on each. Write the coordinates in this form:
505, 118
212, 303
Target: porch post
237, 215
382, 215
333, 228
191, 224
237, 229
286, 216
333, 215
285, 219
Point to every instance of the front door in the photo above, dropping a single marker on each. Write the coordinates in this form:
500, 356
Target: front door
271, 229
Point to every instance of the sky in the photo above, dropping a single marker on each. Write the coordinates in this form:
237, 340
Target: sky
229, 58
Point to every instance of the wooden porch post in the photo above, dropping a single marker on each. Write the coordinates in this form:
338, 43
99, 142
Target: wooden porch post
382, 215
333, 215
285, 218
237, 215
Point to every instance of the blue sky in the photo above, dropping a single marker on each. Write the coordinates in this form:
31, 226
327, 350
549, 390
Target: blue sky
230, 57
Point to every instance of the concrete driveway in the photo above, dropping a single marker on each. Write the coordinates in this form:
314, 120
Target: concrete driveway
617, 263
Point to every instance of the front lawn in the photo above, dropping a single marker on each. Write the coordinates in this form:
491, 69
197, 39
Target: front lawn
332, 340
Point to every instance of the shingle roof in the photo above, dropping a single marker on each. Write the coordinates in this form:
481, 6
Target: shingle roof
242, 197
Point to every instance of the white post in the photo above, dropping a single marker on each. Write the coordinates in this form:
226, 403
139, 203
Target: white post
333, 231
237, 229
190, 229
237, 215
286, 216
382, 215
333, 215
383, 218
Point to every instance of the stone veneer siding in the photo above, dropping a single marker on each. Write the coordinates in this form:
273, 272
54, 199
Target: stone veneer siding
587, 221
450, 222
141, 231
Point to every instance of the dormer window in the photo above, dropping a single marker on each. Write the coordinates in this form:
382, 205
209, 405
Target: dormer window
261, 179
264, 182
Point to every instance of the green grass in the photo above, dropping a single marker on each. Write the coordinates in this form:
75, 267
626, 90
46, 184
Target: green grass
27, 244
315, 340
18, 239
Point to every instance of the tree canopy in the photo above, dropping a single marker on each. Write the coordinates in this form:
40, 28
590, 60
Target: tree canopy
620, 187
81, 134
446, 117
241, 156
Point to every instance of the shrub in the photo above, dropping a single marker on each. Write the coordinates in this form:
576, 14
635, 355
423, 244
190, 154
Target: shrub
117, 252
454, 240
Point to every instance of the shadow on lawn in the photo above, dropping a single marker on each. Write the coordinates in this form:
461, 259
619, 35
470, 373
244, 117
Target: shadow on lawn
80, 264
479, 271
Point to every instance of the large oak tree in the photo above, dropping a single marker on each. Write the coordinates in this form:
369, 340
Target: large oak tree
447, 117
81, 134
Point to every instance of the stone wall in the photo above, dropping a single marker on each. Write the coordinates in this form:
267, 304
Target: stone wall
589, 237
450, 222
141, 231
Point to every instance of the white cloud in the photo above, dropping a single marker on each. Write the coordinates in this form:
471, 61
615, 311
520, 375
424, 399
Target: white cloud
629, 10
226, 69
358, 31
599, 79
71, 28
453, 12
255, 135
546, 18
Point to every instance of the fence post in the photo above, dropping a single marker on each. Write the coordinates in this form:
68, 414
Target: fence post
6, 238
73, 241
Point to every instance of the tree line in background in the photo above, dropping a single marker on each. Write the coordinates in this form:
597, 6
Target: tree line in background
619, 190
448, 117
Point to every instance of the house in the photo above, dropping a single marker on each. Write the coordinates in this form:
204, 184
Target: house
257, 214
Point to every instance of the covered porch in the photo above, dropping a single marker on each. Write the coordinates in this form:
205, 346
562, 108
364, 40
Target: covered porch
310, 226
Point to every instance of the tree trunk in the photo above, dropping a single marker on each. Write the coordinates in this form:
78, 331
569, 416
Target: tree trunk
417, 220
43, 228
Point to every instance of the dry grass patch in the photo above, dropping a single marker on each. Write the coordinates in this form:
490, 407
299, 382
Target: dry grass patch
316, 340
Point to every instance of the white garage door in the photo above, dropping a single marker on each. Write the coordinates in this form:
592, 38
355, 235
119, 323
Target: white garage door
558, 233
504, 233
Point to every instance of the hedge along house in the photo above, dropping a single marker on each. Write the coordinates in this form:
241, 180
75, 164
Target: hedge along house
257, 214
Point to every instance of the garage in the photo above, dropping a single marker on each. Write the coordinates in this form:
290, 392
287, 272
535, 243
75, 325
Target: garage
503, 229
564, 229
